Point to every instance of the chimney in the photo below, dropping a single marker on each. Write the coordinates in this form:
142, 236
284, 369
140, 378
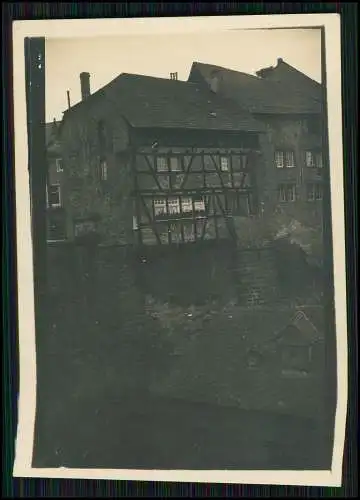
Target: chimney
85, 85
280, 60
173, 76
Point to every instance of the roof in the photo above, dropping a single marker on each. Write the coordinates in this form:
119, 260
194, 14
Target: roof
257, 95
286, 74
148, 102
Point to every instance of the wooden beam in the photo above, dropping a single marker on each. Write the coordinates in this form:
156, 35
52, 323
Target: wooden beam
153, 173
136, 189
151, 222
187, 172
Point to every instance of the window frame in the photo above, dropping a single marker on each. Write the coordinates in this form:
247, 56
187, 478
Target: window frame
317, 159
52, 205
166, 161
227, 168
59, 165
316, 190
284, 155
285, 188
104, 168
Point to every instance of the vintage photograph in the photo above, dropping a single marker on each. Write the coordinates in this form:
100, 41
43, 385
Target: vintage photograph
187, 253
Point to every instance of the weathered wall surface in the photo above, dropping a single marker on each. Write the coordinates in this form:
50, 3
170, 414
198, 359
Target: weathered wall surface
290, 134
87, 194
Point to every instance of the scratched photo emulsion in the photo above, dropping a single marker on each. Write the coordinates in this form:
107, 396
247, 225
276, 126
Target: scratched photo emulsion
184, 252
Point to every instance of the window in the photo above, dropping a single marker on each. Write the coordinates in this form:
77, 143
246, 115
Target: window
175, 164
284, 159
54, 196
159, 207
199, 205
279, 159
174, 205
59, 165
224, 164
135, 223
310, 159
319, 160
313, 159
161, 164
314, 192
186, 204
287, 192
103, 171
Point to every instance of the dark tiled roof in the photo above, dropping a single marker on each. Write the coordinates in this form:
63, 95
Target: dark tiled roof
257, 95
156, 102
288, 75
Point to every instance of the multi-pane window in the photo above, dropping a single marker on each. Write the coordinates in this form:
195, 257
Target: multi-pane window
174, 205
287, 192
59, 165
54, 195
161, 164
175, 164
284, 159
199, 205
159, 207
314, 192
186, 204
313, 159
224, 164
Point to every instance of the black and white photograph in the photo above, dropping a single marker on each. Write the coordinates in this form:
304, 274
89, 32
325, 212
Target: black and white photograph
180, 241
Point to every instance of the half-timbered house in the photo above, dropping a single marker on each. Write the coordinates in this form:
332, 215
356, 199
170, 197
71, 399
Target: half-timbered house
152, 161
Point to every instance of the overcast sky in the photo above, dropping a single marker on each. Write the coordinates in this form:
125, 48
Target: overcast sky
159, 55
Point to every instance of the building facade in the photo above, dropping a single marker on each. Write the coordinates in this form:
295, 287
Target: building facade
290, 105
56, 230
152, 161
